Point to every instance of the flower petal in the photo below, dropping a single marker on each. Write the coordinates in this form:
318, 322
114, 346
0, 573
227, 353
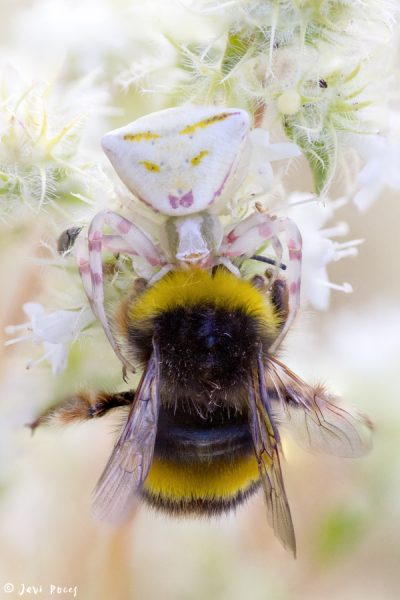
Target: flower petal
282, 151
57, 355
33, 309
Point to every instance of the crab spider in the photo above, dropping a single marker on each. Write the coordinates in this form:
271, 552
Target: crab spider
184, 163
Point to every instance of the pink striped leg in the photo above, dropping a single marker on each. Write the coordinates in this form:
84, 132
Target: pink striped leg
83, 259
253, 232
131, 240
117, 245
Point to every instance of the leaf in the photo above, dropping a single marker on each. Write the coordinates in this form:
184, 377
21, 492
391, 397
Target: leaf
319, 148
237, 46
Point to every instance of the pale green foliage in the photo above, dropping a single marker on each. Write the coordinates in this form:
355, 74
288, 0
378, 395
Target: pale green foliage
39, 155
321, 50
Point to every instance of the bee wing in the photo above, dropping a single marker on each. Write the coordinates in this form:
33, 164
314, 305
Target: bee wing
266, 446
131, 459
312, 416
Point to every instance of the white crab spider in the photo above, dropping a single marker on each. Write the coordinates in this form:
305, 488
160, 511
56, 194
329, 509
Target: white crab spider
184, 163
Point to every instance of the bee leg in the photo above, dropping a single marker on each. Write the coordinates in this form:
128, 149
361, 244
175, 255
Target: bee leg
260, 283
280, 299
251, 233
89, 257
278, 293
83, 406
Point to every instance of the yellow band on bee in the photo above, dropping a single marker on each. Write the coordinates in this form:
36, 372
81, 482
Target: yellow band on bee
193, 287
218, 479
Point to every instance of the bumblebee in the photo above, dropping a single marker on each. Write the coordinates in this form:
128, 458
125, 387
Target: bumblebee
203, 431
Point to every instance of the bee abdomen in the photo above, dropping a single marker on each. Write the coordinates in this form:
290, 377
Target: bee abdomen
200, 489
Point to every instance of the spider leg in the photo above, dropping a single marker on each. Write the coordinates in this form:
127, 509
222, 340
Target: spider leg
117, 245
253, 232
83, 406
83, 258
113, 243
131, 240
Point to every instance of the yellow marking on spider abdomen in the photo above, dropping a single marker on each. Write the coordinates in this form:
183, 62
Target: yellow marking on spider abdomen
196, 160
217, 479
145, 136
150, 166
204, 123
192, 287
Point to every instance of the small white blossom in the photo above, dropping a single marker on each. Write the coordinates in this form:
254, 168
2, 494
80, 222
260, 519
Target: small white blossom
263, 153
319, 249
380, 171
55, 330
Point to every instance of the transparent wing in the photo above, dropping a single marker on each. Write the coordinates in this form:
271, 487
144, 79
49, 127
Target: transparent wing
131, 459
312, 417
266, 446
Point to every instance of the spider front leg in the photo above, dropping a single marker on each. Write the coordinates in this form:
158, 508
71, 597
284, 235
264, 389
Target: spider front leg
253, 232
128, 239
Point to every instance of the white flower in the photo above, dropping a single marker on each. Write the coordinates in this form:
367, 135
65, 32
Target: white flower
381, 169
263, 153
319, 249
55, 330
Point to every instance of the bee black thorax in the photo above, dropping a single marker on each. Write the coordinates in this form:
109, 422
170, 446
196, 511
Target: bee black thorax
204, 351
